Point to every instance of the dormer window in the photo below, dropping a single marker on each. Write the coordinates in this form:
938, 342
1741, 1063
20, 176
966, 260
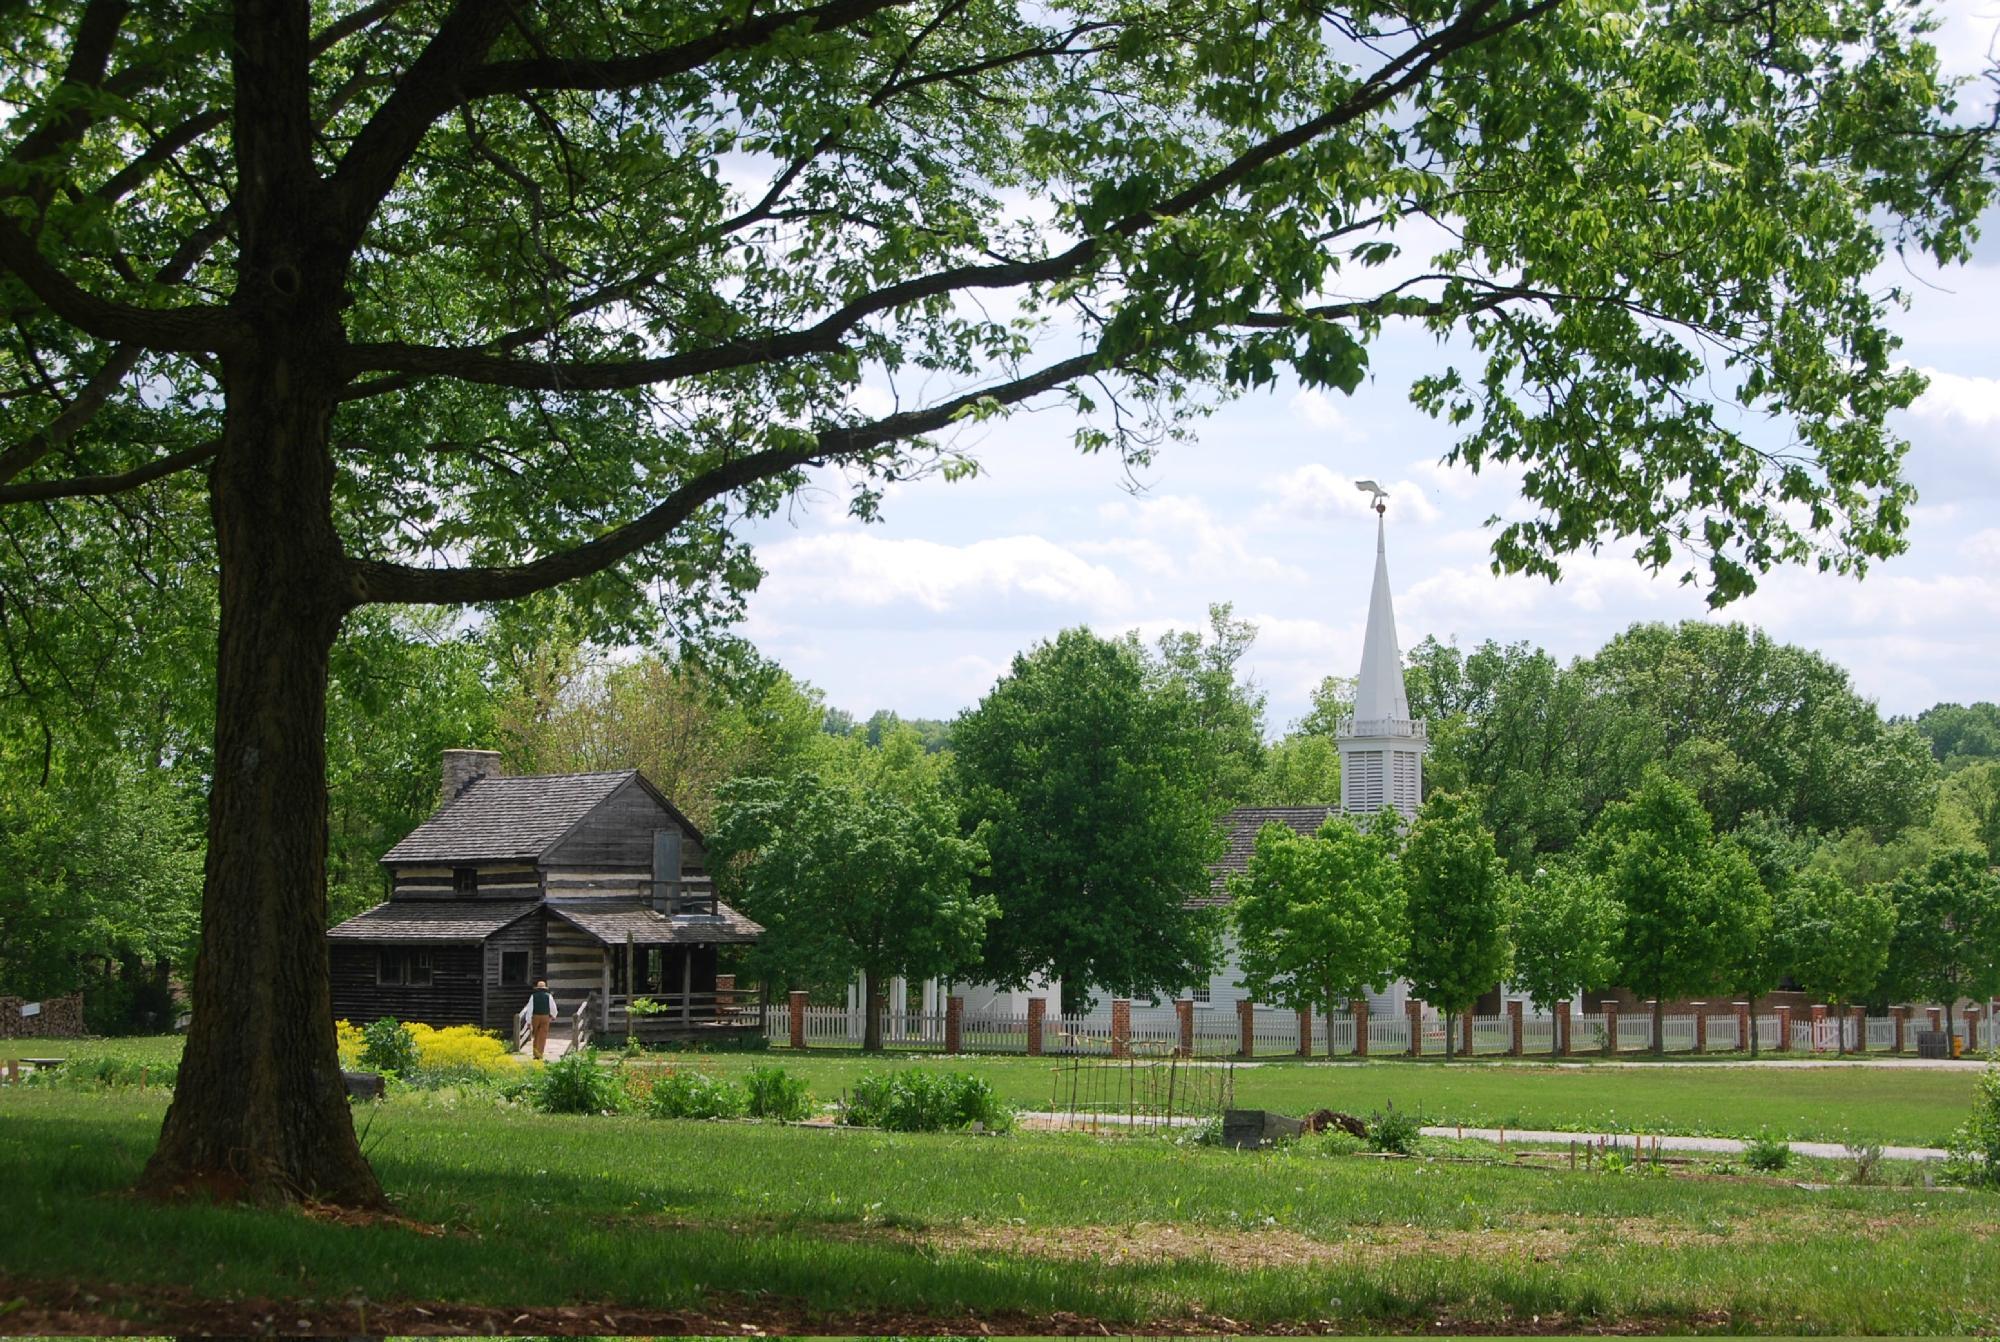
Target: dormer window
465, 880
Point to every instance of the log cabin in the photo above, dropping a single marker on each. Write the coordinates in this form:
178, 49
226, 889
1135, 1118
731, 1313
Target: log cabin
593, 881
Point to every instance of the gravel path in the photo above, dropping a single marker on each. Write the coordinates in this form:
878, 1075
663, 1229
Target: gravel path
1721, 1146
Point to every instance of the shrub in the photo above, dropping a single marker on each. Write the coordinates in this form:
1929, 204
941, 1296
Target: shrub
462, 1051
776, 1093
692, 1094
1867, 1157
1767, 1153
1975, 1147
347, 1038
1395, 1131
918, 1100
388, 1046
1338, 1142
575, 1084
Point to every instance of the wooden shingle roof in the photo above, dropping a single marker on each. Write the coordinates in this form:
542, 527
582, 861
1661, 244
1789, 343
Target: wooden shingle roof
501, 818
646, 926
432, 920
1241, 826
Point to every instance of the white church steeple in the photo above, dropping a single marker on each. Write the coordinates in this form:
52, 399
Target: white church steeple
1381, 747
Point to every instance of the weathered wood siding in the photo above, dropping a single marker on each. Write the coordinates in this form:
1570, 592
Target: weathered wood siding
617, 837
455, 995
510, 880
575, 964
525, 935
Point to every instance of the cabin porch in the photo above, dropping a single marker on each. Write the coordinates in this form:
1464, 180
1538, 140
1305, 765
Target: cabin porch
635, 971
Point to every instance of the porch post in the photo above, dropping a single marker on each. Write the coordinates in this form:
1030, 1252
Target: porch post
1038, 1008
604, 998
798, 1004
1360, 1011
1246, 1025
687, 981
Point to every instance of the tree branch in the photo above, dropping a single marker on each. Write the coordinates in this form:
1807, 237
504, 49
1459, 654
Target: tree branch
97, 485
74, 416
375, 581
825, 336
189, 328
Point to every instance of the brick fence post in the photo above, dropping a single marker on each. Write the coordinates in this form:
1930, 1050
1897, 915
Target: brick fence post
1038, 1008
1935, 1017
1121, 1027
1246, 1025
1744, 1025
1306, 1032
1360, 1013
954, 1025
1700, 1026
1611, 1028
1416, 1014
1184, 1017
1465, 1033
1559, 1032
1897, 1015
725, 994
1784, 1015
1514, 1028
1971, 1029
798, 1004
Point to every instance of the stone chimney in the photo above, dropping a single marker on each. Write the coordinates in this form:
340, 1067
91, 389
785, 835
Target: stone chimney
463, 768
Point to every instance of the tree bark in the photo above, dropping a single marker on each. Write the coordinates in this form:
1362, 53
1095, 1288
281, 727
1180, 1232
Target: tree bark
1753, 1026
1659, 1026
871, 1033
259, 1110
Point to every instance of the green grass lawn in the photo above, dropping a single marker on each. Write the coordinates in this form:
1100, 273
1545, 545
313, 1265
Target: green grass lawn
1907, 1106
1140, 1233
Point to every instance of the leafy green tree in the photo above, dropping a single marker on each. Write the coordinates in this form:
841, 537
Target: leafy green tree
1332, 703
1752, 962
1968, 810
848, 879
1656, 853
1960, 734
1835, 940
1092, 792
1458, 892
1947, 942
455, 304
1300, 770
1565, 928
1230, 712
1319, 919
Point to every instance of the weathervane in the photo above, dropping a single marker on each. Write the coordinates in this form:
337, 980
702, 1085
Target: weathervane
1381, 495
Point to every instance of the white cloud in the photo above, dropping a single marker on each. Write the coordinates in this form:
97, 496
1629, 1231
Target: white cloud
1982, 547
873, 402
1968, 400
869, 572
1172, 535
1316, 408
1316, 493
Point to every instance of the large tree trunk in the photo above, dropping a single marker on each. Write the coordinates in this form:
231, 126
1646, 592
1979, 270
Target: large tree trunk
871, 1033
260, 1111
1659, 1026
1447, 1036
1753, 1026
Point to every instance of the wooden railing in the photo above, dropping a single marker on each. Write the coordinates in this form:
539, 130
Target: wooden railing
584, 1022
524, 1025
675, 1012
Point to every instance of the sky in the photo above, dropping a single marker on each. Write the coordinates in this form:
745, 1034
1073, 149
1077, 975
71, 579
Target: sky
921, 612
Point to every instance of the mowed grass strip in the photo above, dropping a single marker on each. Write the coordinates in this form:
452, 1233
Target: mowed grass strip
1135, 1232
1911, 1106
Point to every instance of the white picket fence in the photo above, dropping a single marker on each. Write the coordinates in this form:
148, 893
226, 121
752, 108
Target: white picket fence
1275, 1033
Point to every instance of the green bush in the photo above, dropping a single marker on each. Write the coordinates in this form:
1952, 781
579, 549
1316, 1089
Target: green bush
776, 1093
108, 1072
1395, 1131
1975, 1147
387, 1047
1767, 1153
691, 1094
919, 1100
1338, 1142
575, 1084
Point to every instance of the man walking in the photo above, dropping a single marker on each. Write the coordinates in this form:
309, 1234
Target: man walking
541, 1010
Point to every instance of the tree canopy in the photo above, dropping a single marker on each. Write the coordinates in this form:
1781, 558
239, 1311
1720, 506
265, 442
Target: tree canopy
1834, 939
1458, 892
1090, 789
1565, 930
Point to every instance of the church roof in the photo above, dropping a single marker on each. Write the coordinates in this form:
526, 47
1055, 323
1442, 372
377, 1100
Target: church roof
1378, 694
1240, 829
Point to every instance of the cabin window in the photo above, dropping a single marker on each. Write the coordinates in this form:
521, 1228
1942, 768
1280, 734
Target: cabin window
465, 880
513, 969
397, 968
